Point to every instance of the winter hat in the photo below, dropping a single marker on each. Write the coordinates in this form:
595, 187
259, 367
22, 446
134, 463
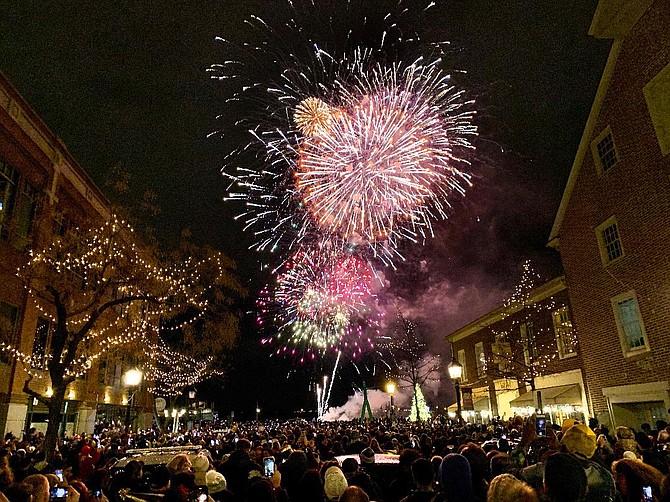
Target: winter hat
580, 439
334, 483
200, 466
215, 482
456, 477
367, 456
629, 454
564, 477
567, 423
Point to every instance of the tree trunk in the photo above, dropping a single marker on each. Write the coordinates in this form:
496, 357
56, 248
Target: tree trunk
55, 406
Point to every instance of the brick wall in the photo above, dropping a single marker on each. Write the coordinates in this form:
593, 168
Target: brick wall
637, 191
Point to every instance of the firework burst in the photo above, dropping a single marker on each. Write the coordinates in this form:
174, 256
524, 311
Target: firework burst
321, 302
345, 149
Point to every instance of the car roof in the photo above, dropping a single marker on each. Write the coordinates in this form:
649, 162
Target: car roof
157, 456
380, 458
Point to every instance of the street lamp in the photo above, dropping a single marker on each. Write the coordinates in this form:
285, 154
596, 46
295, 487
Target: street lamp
390, 388
131, 379
455, 373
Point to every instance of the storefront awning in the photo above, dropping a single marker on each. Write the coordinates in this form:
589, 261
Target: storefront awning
563, 394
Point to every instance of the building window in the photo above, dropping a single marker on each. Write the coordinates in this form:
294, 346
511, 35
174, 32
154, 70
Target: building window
609, 241
9, 178
656, 94
41, 342
502, 352
25, 214
629, 323
565, 336
604, 151
463, 362
9, 316
528, 343
480, 359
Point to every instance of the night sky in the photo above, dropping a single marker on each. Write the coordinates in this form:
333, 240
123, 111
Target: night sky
126, 82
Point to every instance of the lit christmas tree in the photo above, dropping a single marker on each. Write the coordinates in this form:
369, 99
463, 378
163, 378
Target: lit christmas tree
419, 406
415, 365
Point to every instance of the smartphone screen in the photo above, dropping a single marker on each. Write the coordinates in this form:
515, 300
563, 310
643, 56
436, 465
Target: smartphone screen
58, 493
541, 425
199, 494
269, 467
59, 474
647, 495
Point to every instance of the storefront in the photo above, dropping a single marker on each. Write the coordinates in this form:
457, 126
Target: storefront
558, 403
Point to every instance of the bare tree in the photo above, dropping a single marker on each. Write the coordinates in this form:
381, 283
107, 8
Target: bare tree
415, 365
102, 291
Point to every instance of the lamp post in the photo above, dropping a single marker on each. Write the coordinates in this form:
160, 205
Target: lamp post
455, 373
131, 379
390, 388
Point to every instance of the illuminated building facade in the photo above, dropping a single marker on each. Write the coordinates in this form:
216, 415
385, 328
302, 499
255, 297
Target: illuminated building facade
43, 192
612, 228
516, 347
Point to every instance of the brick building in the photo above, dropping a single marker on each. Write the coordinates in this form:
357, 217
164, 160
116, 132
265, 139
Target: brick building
612, 228
520, 345
43, 191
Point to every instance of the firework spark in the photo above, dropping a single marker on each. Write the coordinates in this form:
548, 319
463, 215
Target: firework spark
321, 303
345, 149
385, 166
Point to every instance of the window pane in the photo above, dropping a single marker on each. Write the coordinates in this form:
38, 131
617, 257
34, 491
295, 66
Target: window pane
606, 152
630, 323
612, 242
480, 359
41, 338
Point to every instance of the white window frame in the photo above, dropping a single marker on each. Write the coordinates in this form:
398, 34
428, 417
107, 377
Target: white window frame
602, 245
480, 359
562, 329
596, 154
629, 351
462, 360
529, 343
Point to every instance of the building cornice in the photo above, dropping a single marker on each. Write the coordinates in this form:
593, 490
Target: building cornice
537, 294
18, 109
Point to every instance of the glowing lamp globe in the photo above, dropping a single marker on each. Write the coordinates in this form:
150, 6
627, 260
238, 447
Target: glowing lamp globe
455, 370
132, 378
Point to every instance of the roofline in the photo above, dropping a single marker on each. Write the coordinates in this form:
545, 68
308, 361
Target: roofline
537, 294
585, 142
28, 120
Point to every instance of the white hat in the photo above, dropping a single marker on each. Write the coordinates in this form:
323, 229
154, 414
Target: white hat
215, 482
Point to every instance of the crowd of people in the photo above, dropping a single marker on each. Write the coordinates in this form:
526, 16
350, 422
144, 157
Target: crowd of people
302, 461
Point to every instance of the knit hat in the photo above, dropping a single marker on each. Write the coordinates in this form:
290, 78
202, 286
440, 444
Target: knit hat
334, 483
367, 456
215, 482
456, 477
580, 439
200, 466
567, 423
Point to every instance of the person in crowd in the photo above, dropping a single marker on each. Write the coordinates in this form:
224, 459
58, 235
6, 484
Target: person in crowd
632, 476
334, 483
238, 467
310, 488
564, 479
580, 441
354, 494
455, 479
422, 473
507, 488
